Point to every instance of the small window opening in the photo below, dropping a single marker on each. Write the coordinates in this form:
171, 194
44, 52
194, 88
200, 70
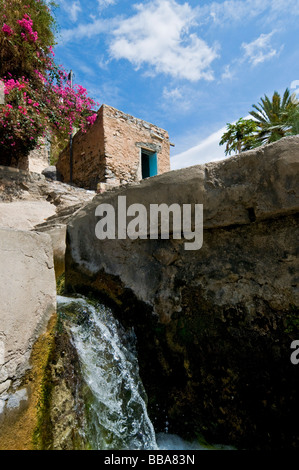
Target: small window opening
149, 164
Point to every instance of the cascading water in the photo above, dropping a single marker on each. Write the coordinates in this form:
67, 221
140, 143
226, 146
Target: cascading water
116, 416
117, 413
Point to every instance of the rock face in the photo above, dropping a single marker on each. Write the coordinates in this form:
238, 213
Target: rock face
25, 215
214, 326
31, 202
28, 301
19, 185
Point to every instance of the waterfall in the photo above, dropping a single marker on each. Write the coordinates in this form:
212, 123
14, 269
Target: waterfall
116, 402
117, 412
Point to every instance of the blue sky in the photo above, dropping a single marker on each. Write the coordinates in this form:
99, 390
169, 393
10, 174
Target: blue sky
188, 67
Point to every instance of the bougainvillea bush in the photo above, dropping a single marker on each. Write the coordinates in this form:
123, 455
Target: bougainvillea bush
39, 98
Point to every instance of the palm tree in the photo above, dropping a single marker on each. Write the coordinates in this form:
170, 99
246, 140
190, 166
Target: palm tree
293, 117
295, 122
239, 136
273, 117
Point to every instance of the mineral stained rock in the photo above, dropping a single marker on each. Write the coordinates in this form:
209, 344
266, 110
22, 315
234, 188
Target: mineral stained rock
28, 305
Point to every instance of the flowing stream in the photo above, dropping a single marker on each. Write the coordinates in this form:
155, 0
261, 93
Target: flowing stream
117, 417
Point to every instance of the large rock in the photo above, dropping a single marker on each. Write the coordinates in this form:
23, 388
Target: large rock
29, 201
20, 185
215, 325
55, 227
28, 301
28, 296
258, 185
50, 172
24, 215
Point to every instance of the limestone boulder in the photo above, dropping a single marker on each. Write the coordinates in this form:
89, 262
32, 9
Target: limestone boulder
24, 215
215, 325
57, 233
37, 202
28, 300
258, 185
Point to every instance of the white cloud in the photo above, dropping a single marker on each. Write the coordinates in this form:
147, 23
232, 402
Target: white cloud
229, 11
206, 151
87, 30
176, 97
173, 95
228, 73
72, 8
75, 9
106, 3
158, 35
233, 10
260, 49
103, 63
86, 69
184, 97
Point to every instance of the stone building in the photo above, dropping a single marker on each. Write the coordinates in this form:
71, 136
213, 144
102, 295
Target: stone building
117, 149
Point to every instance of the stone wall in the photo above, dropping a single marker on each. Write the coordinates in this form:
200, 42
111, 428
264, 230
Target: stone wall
124, 138
110, 152
88, 157
214, 326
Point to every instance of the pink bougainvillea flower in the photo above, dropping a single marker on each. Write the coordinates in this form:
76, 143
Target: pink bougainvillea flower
7, 30
26, 23
91, 119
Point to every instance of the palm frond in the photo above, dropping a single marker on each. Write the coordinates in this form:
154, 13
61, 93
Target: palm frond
286, 99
